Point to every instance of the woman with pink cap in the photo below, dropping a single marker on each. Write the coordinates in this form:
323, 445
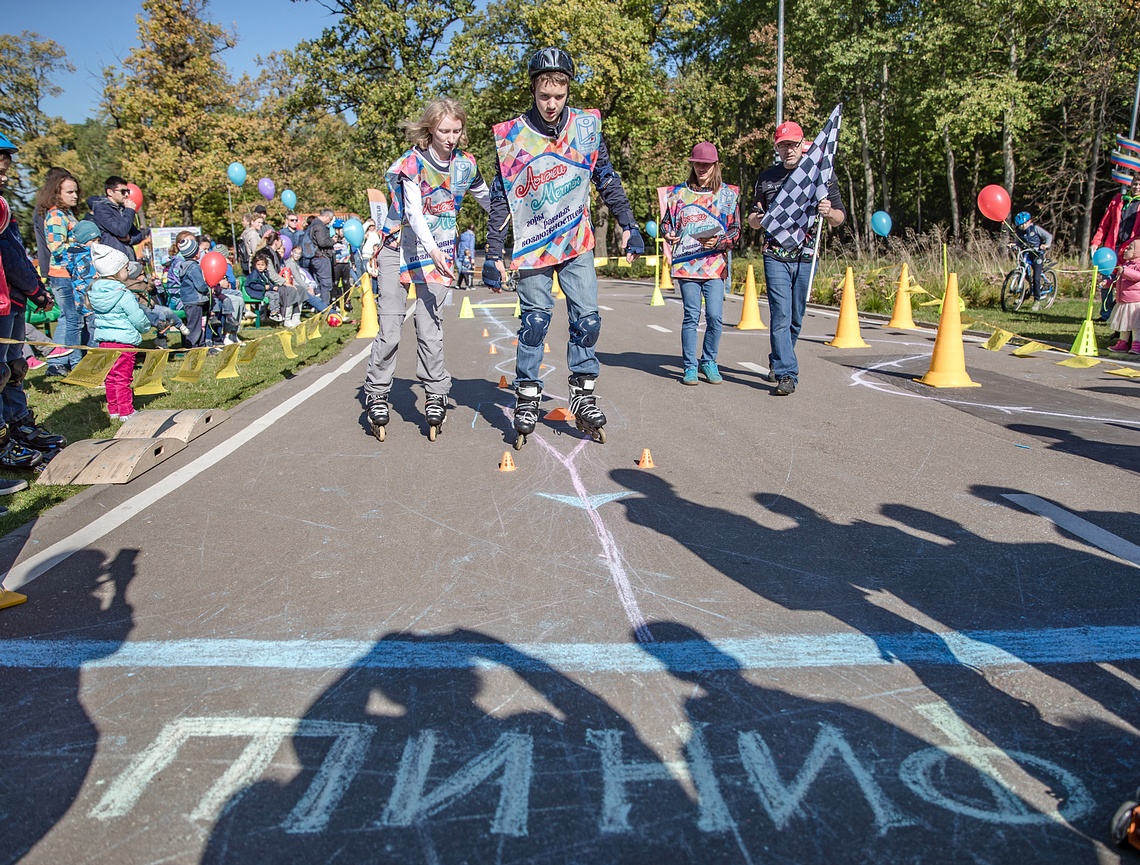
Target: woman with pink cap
701, 222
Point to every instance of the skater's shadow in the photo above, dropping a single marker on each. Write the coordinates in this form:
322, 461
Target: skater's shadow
667, 366
487, 400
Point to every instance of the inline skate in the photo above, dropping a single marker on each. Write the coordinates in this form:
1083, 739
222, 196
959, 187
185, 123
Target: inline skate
583, 405
527, 397
377, 410
435, 409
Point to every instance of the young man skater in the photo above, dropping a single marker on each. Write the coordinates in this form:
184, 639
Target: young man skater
545, 158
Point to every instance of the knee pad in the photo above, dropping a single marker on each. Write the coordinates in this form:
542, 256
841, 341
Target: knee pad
585, 331
5, 374
18, 370
533, 329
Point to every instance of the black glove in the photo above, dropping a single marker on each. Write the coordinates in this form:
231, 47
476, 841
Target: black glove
491, 276
635, 245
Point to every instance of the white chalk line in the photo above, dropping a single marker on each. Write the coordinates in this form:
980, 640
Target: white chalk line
35, 566
1082, 528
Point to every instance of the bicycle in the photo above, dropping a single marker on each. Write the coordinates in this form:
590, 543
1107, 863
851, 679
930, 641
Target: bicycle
1018, 284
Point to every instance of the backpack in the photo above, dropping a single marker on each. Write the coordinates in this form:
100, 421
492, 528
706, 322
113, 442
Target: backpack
308, 248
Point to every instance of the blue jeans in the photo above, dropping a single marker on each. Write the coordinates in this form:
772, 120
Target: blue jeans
580, 283
14, 400
70, 326
788, 285
691, 292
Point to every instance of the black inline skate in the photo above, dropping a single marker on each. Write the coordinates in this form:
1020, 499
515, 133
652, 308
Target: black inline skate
15, 455
583, 405
32, 435
377, 410
435, 409
527, 397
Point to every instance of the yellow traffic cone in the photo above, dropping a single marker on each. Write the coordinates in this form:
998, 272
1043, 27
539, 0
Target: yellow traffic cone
369, 321
656, 299
411, 291
10, 599
465, 310
557, 290
948, 362
901, 315
666, 280
847, 330
750, 314
1085, 343
518, 308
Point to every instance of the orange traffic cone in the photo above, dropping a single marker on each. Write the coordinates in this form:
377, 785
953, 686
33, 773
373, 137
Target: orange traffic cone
559, 413
493, 349
508, 463
948, 362
503, 381
847, 330
486, 334
750, 314
646, 461
901, 315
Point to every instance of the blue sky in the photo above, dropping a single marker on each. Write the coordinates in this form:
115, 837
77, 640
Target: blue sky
99, 33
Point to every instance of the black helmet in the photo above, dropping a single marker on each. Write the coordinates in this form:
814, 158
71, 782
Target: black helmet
550, 60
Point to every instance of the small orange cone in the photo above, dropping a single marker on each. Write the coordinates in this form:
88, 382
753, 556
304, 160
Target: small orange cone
503, 381
514, 342
546, 348
646, 461
508, 463
901, 314
948, 362
847, 330
485, 334
559, 413
493, 349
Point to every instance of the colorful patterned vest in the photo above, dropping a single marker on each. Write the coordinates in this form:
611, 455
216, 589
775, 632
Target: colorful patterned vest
442, 196
696, 213
548, 187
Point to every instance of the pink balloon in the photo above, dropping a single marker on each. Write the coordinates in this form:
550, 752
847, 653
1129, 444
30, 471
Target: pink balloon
267, 188
213, 268
993, 202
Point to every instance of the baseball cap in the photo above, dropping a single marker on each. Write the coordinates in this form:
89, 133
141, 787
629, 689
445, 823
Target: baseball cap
789, 131
705, 152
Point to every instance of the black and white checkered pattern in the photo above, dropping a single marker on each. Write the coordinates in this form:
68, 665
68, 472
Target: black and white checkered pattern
789, 220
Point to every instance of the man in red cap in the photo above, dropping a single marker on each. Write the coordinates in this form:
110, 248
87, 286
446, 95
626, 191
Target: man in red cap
787, 273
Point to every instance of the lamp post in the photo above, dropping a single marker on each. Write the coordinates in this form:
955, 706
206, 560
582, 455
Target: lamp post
780, 67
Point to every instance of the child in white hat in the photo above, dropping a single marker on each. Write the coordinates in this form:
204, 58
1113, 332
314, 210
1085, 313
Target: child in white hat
119, 323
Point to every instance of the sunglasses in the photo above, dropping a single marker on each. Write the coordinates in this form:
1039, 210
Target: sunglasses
125, 190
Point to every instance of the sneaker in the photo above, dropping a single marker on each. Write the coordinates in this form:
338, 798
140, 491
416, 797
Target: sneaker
276, 317
690, 376
114, 416
184, 330
1135, 347
1122, 345
771, 376
786, 386
36, 363
1036, 306
8, 486
711, 373
59, 351
56, 372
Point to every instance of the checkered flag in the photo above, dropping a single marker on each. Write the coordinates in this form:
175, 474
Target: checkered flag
793, 212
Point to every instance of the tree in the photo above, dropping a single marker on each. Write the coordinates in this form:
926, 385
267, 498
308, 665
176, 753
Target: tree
171, 106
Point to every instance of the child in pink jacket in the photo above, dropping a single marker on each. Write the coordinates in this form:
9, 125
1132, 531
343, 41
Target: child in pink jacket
1126, 314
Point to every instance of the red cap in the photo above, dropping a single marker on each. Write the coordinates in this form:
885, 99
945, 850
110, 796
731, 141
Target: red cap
705, 152
789, 131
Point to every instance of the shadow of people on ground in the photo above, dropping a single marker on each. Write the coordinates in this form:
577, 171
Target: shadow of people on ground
49, 738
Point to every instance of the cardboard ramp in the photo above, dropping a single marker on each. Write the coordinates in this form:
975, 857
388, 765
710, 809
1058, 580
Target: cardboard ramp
108, 461
184, 425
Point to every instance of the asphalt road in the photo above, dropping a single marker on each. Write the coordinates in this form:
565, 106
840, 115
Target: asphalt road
870, 622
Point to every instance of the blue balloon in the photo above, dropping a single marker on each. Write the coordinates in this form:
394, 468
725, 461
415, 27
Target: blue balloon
651, 228
1104, 260
881, 223
236, 173
354, 232
289, 198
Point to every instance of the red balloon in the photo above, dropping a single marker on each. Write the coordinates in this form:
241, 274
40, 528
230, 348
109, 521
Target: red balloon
213, 268
135, 195
993, 202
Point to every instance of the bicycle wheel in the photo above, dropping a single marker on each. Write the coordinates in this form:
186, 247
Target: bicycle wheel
1013, 290
1049, 288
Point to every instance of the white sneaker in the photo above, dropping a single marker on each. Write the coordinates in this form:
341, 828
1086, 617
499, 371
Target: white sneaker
231, 339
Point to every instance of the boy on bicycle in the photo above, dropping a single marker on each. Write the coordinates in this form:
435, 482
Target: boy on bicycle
1036, 239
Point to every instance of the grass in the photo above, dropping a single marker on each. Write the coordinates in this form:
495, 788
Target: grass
81, 413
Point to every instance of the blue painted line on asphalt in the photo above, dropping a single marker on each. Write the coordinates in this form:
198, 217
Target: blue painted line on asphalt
977, 649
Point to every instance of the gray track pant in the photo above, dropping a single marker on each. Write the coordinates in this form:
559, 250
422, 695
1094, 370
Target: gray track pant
429, 331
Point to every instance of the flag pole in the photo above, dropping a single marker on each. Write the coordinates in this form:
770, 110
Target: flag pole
819, 220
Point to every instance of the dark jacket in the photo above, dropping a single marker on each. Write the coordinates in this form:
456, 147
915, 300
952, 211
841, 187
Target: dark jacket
117, 224
322, 240
43, 254
257, 283
24, 283
193, 288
